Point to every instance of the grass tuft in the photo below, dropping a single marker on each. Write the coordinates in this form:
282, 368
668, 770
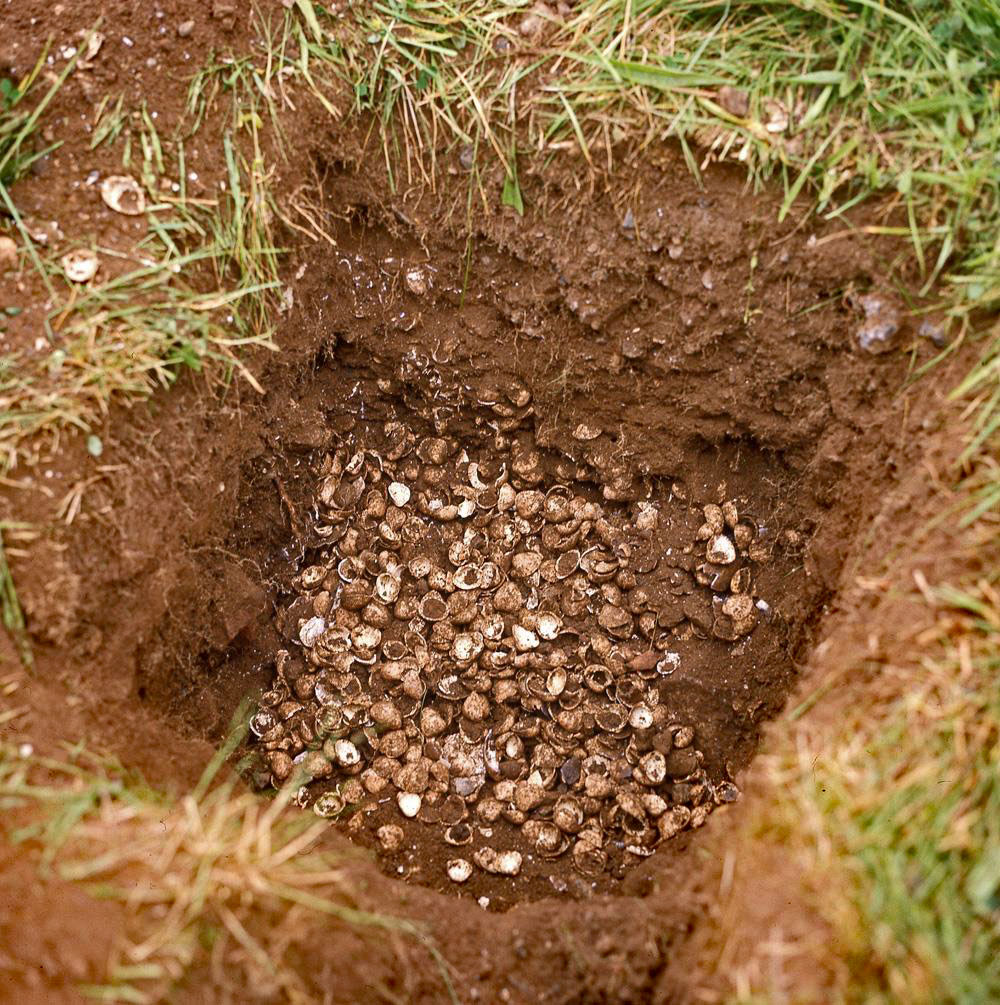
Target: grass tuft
214, 875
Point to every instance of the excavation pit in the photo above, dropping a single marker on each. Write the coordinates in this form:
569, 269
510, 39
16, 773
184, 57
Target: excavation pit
530, 533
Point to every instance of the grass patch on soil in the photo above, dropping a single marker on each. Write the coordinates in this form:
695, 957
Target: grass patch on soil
199, 288
215, 875
897, 820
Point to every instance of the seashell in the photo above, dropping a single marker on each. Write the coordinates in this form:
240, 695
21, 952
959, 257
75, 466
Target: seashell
79, 266
714, 518
683, 736
524, 638
459, 870
567, 814
527, 796
555, 683
387, 588
641, 717
417, 280
726, 792
589, 858
458, 834
508, 598
500, 863
647, 517
123, 194
476, 707
743, 535
654, 768
597, 677
549, 625
390, 837
433, 450
329, 804
740, 608
311, 631
468, 577
585, 432
528, 503
611, 720
432, 607
385, 713
672, 822
451, 688
365, 637
720, 550
263, 722
346, 753
280, 764
399, 493
409, 803
376, 615
525, 564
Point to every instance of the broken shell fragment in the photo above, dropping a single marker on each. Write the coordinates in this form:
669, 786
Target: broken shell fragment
311, 631
417, 280
585, 432
329, 804
123, 194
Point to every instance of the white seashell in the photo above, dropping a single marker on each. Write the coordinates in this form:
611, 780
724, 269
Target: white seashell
721, 550
524, 638
508, 863
399, 493
123, 194
459, 870
387, 588
346, 753
409, 803
549, 625
80, 266
668, 663
417, 281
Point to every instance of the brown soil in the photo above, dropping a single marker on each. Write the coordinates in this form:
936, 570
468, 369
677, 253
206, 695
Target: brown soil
709, 344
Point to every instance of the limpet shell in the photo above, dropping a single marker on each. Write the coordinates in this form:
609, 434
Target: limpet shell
549, 625
468, 577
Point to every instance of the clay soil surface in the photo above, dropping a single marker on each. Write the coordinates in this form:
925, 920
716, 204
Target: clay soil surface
638, 343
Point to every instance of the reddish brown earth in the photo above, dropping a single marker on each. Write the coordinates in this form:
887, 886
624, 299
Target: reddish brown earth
731, 358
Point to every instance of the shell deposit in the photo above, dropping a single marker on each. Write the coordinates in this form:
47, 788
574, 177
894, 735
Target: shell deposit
476, 643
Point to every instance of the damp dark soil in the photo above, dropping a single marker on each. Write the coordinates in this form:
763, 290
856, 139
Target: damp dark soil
714, 353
